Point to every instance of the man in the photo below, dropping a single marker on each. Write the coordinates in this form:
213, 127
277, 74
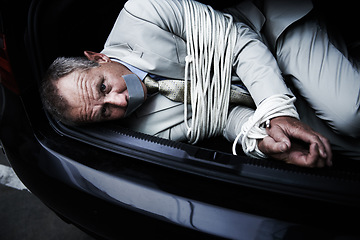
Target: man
149, 36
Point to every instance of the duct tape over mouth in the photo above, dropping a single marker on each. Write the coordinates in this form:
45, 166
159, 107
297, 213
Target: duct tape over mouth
136, 93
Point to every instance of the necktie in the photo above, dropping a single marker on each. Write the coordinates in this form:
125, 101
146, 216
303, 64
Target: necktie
174, 90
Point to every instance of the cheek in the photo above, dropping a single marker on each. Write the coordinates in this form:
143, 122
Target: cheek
117, 84
116, 79
117, 113
73, 114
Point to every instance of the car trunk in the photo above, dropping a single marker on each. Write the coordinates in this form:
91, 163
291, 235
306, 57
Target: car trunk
67, 28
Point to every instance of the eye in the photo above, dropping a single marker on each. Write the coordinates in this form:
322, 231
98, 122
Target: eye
103, 110
102, 87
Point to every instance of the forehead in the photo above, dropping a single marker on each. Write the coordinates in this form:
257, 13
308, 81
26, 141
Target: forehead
78, 89
70, 85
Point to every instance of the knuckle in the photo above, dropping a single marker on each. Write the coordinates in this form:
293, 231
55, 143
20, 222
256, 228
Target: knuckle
314, 138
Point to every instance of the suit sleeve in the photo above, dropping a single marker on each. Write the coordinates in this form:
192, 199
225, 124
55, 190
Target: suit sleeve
166, 14
238, 115
256, 66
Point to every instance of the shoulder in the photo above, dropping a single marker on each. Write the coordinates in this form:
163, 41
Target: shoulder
152, 7
166, 14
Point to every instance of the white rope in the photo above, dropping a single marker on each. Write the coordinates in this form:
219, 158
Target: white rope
210, 40
255, 127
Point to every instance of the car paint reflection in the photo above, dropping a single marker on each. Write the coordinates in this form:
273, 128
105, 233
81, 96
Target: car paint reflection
160, 204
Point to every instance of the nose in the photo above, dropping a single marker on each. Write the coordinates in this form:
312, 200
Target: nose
117, 99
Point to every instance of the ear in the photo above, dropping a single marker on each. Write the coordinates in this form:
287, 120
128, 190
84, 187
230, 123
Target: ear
97, 57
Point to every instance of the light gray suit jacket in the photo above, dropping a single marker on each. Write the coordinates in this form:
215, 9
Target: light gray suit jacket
150, 35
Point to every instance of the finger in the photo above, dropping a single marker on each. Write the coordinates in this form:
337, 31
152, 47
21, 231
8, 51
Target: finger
328, 150
298, 159
311, 137
323, 149
307, 157
314, 158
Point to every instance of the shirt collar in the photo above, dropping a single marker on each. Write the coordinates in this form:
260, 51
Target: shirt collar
140, 73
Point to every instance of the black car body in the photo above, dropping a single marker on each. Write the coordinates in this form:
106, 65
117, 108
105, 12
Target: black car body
111, 181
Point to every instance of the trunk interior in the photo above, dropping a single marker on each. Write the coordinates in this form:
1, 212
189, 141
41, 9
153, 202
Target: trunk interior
67, 28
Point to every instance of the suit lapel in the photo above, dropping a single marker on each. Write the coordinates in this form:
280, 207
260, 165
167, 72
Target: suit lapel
156, 103
148, 48
168, 114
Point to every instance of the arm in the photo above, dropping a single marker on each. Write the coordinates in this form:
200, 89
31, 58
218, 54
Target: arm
259, 72
256, 66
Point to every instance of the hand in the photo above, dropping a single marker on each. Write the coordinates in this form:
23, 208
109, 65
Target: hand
294, 142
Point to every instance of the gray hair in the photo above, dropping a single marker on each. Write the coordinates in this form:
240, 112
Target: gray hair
53, 102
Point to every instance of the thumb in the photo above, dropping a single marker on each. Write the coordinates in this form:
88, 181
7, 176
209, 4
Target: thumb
269, 146
281, 140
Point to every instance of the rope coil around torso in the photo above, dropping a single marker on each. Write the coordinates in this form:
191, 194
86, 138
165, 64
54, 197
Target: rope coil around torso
211, 38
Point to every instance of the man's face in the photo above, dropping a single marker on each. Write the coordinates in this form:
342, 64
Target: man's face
98, 94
